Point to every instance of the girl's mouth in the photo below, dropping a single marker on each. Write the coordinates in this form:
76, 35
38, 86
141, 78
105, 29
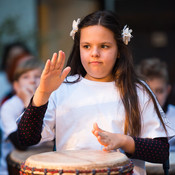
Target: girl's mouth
95, 62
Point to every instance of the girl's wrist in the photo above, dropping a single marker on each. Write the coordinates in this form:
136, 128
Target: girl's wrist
40, 98
128, 144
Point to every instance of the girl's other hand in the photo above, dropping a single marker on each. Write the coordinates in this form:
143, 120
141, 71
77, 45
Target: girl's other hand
112, 141
107, 139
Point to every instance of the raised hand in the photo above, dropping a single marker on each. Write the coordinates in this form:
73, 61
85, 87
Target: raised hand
53, 74
52, 77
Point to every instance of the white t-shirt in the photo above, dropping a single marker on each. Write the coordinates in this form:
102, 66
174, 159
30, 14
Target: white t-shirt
73, 108
9, 112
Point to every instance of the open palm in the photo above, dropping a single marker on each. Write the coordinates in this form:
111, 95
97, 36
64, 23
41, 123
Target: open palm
53, 74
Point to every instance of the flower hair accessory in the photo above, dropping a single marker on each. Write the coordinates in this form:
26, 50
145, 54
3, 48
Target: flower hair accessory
126, 34
74, 28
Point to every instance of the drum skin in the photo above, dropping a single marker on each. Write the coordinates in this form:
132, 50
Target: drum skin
78, 162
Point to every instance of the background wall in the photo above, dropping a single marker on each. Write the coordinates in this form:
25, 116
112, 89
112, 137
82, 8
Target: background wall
55, 23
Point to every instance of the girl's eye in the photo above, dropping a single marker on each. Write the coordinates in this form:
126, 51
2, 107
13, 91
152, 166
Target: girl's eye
104, 46
86, 46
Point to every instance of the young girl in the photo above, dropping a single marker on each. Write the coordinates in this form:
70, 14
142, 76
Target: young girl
102, 88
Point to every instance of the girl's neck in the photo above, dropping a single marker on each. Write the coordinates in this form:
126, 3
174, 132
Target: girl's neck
105, 79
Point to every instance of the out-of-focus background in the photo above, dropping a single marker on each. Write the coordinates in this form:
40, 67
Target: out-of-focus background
44, 25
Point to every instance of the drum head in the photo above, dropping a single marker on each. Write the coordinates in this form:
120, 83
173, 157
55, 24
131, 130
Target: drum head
19, 156
79, 160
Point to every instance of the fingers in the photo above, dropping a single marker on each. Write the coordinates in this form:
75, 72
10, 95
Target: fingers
95, 127
47, 67
65, 73
109, 147
56, 63
60, 61
53, 61
101, 137
96, 130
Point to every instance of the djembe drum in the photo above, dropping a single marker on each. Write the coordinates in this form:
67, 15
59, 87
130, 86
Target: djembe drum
16, 157
77, 162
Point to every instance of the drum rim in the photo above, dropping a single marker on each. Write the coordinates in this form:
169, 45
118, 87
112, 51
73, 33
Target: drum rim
128, 167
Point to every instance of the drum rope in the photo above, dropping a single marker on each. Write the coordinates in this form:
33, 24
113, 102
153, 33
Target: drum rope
45, 171
109, 171
121, 170
33, 169
60, 172
77, 172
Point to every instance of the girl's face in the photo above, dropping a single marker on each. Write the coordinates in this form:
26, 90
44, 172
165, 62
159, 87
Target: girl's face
98, 52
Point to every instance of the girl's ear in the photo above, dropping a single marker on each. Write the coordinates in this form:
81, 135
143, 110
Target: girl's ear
15, 86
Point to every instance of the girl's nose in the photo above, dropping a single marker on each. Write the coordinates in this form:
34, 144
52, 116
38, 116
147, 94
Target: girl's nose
95, 52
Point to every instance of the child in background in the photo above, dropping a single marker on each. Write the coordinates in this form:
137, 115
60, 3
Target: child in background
102, 88
12, 53
155, 73
25, 81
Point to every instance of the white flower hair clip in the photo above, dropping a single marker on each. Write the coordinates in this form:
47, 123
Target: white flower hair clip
74, 28
126, 34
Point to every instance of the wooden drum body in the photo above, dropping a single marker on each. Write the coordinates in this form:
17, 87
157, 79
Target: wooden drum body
77, 162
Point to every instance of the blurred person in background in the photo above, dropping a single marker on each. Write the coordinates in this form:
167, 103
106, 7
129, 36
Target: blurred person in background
155, 73
26, 79
12, 54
